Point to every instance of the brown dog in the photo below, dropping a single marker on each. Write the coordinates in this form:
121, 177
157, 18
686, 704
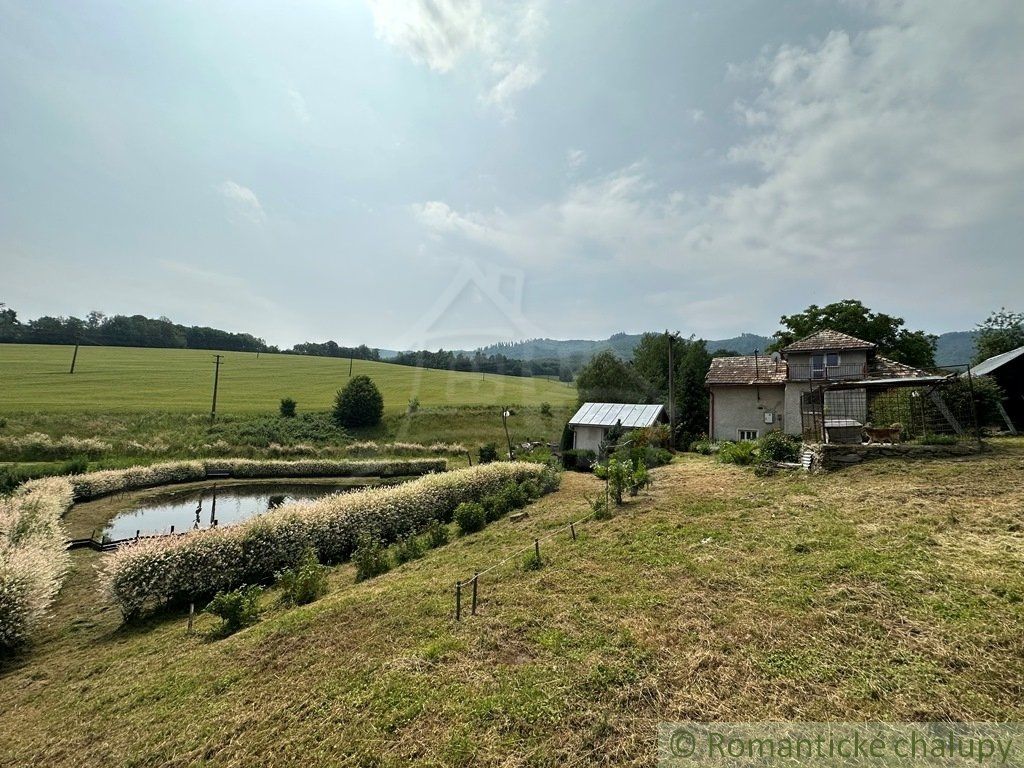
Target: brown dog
890, 434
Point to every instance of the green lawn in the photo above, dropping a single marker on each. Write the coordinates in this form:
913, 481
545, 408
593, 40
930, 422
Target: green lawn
35, 378
890, 591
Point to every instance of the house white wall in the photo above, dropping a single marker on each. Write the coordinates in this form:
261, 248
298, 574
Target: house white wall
740, 407
588, 438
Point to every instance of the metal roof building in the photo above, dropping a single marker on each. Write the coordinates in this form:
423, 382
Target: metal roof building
593, 420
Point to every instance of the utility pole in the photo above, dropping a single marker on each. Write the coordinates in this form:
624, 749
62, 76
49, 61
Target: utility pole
671, 337
74, 357
350, 367
505, 413
216, 380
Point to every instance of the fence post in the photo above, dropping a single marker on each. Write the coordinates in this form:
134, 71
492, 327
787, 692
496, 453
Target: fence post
172, 530
572, 530
476, 578
536, 548
458, 600
191, 616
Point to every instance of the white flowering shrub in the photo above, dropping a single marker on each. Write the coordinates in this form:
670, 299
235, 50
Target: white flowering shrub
38, 446
371, 448
33, 555
196, 565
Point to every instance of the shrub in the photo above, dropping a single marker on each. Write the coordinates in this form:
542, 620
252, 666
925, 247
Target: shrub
488, 453
532, 561
436, 533
579, 460
359, 404
704, 446
470, 517
933, 439
37, 446
237, 609
514, 495
778, 446
287, 408
565, 443
743, 452
600, 508
76, 466
414, 405
638, 478
304, 583
545, 409
178, 569
371, 558
619, 475
409, 548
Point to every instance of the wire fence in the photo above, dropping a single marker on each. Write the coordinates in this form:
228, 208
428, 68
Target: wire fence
473, 583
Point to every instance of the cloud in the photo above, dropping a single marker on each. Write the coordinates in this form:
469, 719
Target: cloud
299, 108
856, 149
243, 201
575, 158
697, 115
497, 38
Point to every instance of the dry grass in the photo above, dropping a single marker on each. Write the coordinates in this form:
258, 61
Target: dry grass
889, 591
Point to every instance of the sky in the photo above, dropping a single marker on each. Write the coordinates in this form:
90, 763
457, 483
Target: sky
456, 172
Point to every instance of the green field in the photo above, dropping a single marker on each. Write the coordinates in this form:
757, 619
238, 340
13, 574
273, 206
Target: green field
890, 591
35, 378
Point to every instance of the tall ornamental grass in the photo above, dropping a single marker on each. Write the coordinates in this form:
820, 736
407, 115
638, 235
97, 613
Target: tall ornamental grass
197, 565
95, 484
33, 555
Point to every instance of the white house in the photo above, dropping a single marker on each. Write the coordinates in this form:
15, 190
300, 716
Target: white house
593, 420
797, 389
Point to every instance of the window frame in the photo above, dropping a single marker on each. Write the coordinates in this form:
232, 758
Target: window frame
741, 432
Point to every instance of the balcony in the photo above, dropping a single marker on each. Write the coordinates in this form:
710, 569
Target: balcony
826, 373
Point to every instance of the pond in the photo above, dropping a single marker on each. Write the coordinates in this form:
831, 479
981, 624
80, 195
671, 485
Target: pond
196, 508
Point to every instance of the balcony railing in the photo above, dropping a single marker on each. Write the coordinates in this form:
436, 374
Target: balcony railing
827, 372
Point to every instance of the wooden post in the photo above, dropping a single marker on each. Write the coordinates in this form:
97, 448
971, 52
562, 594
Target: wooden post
172, 530
191, 616
74, 357
137, 535
350, 367
458, 600
572, 530
476, 578
216, 381
536, 548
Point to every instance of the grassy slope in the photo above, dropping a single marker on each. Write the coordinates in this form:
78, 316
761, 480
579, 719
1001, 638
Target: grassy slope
35, 378
888, 591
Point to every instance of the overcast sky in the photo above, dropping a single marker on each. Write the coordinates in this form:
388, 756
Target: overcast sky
455, 172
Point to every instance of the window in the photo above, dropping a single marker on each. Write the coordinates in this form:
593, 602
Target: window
821, 363
748, 434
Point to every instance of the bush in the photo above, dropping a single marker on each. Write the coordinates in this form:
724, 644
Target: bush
437, 534
371, 558
359, 404
488, 453
619, 475
545, 409
414, 405
704, 446
287, 408
532, 561
237, 609
778, 446
410, 548
41, 447
304, 583
470, 517
76, 466
579, 460
743, 452
600, 508
178, 569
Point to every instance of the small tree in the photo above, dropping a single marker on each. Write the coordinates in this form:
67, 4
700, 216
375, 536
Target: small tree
619, 475
359, 404
287, 408
1001, 332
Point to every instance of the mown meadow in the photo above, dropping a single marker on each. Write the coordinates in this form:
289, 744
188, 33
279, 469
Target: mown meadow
890, 591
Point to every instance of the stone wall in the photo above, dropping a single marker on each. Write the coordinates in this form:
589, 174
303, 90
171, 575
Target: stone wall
838, 456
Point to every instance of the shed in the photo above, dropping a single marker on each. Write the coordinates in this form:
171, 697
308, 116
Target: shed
592, 421
1008, 371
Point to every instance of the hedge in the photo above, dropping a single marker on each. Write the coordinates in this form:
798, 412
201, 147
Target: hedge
33, 555
196, 565
95, 484
33, 543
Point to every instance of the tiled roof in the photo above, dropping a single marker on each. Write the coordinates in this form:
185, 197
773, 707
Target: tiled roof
883, 367
632, 415
828, 341
747, 369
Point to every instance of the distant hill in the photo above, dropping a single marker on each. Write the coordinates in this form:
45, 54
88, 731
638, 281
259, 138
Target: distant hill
954, 348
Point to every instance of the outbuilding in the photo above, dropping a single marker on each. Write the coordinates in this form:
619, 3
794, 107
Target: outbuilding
1008, 371
592, 421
